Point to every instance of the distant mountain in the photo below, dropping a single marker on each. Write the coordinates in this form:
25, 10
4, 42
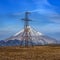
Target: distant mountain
37, 38
10, 43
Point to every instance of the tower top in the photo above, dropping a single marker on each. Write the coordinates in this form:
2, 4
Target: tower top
26, 19
26, 35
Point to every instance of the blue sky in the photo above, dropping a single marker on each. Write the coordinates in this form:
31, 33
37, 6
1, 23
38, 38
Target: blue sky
45, 15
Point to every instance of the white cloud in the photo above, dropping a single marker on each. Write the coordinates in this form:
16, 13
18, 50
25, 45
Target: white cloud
51, 28
41, 3
49, 13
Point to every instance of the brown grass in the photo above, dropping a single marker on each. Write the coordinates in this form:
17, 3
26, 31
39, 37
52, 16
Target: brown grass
30, 53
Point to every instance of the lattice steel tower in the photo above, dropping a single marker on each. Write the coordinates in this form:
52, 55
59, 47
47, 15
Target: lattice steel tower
26, 36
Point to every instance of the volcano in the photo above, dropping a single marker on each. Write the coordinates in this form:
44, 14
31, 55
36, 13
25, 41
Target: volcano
37, 38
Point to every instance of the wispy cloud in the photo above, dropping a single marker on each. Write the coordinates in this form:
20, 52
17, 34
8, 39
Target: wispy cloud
41, 3
52, 28
49, 13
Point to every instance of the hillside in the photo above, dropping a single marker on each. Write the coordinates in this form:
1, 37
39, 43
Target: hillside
30, 53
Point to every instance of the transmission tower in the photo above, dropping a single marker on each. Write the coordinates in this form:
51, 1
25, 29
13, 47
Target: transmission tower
26, 36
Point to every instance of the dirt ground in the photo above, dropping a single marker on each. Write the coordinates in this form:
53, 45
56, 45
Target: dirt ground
30, 53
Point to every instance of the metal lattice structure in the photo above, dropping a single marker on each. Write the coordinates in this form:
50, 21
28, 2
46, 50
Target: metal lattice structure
26, 36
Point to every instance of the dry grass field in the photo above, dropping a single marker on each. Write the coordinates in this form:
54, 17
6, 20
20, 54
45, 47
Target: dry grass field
30, 53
